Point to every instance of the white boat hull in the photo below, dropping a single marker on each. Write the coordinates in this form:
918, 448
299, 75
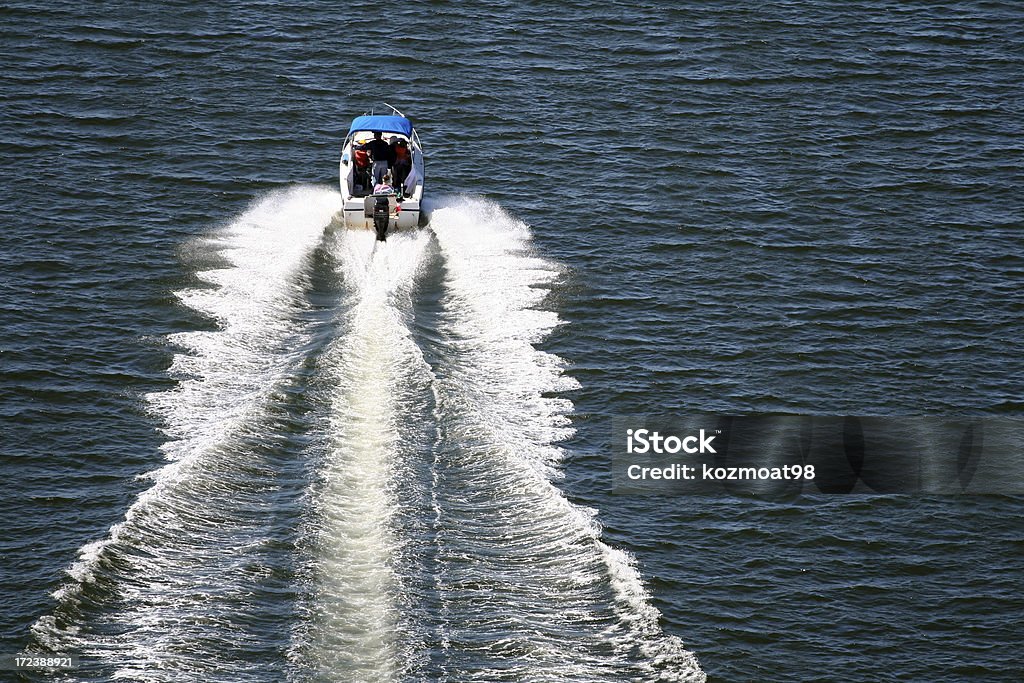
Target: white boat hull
358, 200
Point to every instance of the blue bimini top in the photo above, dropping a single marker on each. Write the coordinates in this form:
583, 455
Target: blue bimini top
384, 124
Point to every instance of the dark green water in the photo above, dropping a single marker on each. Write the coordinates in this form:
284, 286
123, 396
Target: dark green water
792, 207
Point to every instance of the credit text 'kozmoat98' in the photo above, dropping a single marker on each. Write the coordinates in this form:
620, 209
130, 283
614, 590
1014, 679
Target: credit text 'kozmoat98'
644, 441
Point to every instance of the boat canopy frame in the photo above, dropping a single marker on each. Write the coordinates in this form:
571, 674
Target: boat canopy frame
383, 124
391, 123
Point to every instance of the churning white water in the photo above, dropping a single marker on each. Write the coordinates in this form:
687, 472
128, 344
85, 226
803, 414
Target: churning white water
371, 496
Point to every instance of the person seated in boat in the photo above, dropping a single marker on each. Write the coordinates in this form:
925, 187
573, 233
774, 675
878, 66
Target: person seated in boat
402, 163
361, 164
380, 152
384, 186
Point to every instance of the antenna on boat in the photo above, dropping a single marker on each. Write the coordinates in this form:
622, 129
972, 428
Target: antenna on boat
394, 109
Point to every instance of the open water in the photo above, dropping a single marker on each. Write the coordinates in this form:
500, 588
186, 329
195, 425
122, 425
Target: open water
239, 444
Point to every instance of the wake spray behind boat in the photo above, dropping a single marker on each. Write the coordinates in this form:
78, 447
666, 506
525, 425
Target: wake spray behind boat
369, 203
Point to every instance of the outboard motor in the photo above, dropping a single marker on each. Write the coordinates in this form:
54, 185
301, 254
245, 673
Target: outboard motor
381, 217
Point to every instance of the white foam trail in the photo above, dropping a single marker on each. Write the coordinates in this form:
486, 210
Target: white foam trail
539, 562
184, 548
359, 625
226, 371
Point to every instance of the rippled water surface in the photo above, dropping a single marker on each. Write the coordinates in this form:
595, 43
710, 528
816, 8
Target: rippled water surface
242, 444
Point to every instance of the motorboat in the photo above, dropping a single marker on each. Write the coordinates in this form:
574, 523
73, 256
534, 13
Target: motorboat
368, 203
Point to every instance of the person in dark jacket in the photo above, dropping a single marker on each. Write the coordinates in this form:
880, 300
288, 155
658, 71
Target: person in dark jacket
380, 152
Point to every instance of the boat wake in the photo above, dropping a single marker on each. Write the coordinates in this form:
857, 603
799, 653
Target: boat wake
359, 615
177, 586
542, 597
360, 478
